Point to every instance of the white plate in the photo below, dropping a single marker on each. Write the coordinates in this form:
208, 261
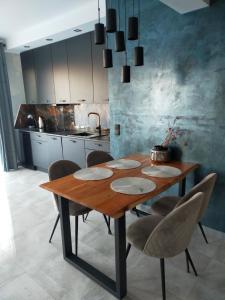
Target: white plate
133, 185
161, 171
123, 164
93, 174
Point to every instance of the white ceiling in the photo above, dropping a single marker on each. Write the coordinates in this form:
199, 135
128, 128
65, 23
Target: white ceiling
185, 6
30, 22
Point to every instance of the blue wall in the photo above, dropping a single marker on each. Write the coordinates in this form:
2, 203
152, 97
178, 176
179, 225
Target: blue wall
184, 80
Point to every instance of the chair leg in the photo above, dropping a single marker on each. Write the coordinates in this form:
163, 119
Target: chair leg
187, 263
76, 234
191, 262
128, 249
86, 216
53, 230
108, 224
203, 232
162, 267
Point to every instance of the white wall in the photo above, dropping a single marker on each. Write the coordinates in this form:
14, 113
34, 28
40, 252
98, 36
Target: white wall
15, 81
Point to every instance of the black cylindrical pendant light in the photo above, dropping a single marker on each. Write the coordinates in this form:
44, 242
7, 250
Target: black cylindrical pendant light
107, 58
120, 41
139, 56
125, 74
133, 27
119, 35
111, 23
99, 30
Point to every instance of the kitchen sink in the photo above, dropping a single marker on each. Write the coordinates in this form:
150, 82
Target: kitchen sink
82, 134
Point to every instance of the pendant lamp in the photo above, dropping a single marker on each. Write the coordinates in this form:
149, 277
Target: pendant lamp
125, 72
107, 56
111, 19
119, 36
99, 30
139, 50
133, 27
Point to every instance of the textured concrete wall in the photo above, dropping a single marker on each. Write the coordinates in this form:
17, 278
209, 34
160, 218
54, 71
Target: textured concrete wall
183, 81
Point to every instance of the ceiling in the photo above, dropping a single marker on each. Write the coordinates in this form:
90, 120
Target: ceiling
28, 23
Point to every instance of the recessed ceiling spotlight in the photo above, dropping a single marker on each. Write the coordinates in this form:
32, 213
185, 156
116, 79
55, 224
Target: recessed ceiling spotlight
49, 40
26, 46
77, 30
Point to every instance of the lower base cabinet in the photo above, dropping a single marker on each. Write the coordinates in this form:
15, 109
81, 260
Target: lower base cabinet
54, 149
40, 154
73, 149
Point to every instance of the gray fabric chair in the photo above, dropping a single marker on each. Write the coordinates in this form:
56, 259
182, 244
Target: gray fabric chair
164, 237
165, 205
95, 158
57, 170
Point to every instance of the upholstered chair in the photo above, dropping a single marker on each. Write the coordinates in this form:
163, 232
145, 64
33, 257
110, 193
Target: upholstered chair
95, 158
164, 237
57, 170
165, 205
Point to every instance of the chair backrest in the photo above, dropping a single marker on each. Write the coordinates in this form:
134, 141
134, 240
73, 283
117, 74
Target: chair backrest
206, 186
60, 169
98, 157
173, 234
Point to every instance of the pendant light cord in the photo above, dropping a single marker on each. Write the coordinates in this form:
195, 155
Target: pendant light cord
139, 21
98, 12
119, 13
125, 33
133, 8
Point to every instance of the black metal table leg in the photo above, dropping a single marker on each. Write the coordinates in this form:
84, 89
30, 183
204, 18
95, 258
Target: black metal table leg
117, 288
182, 187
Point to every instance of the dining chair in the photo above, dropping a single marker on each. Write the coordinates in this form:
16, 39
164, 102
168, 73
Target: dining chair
165, 237
57, 170
165, 205
95, 158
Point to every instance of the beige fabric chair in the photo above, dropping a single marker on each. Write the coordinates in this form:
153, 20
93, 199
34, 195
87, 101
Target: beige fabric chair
165, 205
95, 158
164, 237
57, 170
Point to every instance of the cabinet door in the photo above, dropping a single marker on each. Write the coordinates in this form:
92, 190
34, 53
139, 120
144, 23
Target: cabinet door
40, 154
100, 74
73, 149
54, 148
44, 75
80, 68
60, 72
29, 78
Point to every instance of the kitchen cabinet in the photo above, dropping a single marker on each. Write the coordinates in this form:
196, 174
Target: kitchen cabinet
60, 72
44, 75
54, 149
100, 74
80, 68
29, 77
73, 149
97, 145
40, 153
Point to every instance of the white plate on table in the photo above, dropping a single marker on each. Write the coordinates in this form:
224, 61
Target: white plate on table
93, 174
133, 185
161, 171
123, 164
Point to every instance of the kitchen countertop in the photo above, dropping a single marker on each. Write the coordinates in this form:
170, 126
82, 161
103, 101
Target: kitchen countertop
70, 134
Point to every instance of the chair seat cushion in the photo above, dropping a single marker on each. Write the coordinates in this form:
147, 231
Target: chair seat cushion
165, 205
77, 209
139, 231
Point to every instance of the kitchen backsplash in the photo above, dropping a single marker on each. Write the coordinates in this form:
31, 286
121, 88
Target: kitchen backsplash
62, 117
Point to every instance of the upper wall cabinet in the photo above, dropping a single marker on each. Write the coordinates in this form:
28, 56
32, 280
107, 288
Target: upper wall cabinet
29, 78
80, 68
44, 75
60, 72
100, 74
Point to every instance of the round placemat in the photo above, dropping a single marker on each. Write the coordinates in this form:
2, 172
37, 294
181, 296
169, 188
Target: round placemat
133, 185
93, 174
161, 171
123, 164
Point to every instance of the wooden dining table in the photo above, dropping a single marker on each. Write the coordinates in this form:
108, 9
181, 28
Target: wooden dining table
99, 196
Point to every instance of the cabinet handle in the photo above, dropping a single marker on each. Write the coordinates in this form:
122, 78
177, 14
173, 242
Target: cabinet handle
62, 101
54, 138
40, 143
73, 141
100, 145
82, 100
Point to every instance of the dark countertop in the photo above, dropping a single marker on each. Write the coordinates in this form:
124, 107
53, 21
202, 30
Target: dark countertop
95, 136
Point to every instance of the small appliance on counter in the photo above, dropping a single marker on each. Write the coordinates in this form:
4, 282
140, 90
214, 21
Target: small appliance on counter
160, 153
41, 124
31, 122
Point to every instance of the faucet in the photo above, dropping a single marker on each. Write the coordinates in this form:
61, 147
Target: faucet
99, 122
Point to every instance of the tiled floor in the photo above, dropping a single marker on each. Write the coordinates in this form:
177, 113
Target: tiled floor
33, 269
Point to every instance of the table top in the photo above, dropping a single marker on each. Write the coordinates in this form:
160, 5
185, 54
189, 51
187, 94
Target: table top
99, 196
